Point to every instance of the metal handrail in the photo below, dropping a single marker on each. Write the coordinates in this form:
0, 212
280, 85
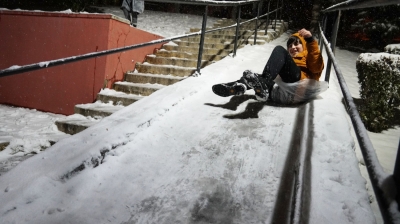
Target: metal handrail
383, 184
207, 2
380, 180
47, 64
360, 4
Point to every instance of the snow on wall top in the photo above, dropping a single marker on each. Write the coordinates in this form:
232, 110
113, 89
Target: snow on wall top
65, 13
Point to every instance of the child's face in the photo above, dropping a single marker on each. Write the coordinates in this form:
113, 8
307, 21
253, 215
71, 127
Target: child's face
295, 48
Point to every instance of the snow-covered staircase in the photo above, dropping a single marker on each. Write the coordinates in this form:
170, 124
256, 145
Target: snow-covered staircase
176, 61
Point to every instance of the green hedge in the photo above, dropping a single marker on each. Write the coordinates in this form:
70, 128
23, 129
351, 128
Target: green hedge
379, 79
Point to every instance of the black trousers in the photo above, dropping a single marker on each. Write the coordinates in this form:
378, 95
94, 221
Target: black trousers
131, 16
281, 63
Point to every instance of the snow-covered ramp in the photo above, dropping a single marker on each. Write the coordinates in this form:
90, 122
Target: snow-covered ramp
184, 155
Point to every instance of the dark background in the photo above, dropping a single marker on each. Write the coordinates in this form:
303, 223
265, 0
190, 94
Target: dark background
364, 30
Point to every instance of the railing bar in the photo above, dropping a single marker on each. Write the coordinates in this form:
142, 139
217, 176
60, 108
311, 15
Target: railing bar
328, 70
268, 12
323, 30
335, 31
206, 2
247, 21
203, 32
396, 173
333, 44
234, 25
347, 5
377, 176
276, 14
237, 30
256, 28
51, 63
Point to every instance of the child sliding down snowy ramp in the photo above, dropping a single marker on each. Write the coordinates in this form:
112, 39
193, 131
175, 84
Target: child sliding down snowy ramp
290, 76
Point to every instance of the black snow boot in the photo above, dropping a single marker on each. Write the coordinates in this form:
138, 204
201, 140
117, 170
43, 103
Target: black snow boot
229, 89
256, 82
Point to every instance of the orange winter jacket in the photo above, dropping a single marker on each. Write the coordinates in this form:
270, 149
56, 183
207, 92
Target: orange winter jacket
310, 60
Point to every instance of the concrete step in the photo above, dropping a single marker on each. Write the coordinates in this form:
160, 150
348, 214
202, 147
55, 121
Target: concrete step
75, 123
97, 109
241, 27
280, 27
223, 45
210, 40
117, 98
274, 33
165, 69
183, 62
152, 78
258, 41
271, 35
228, 22
196, 50
137, 88
248, 25
229, 31
192, 56
209, 37
252, 27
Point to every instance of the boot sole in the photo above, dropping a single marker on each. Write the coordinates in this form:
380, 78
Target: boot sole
225, 91
258, 89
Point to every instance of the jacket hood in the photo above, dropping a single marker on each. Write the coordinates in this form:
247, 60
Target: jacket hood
304, 43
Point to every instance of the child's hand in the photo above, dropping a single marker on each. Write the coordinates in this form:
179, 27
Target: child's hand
305, 33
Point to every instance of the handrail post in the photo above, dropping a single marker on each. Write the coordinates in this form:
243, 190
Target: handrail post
320, 43
276, 13
333, 46
201, 45
335, 31
396, 175
280, 15
267, 25
237, 30
258, 15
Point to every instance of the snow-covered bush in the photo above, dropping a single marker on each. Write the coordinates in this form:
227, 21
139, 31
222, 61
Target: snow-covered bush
379, 78
393, 49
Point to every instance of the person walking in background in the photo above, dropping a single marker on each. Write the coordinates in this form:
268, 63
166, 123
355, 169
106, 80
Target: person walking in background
131, 9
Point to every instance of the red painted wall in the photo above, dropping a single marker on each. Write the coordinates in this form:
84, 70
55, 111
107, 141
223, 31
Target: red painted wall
120, 35
30, 37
